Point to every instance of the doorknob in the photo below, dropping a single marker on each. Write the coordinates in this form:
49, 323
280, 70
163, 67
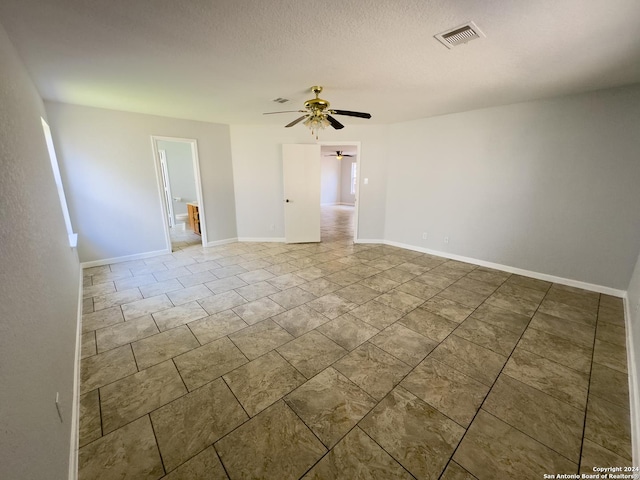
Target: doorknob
287, 200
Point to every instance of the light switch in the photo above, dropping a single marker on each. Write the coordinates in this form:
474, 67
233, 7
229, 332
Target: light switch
366, 181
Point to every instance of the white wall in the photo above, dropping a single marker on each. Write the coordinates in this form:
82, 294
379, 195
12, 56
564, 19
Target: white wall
113, 193
547, 186
329, 180
257, 173
39, 287
181, 176
345, 181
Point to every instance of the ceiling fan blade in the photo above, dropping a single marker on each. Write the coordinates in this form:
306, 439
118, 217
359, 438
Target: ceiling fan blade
297, 120
287, 111
334, 123
351, 114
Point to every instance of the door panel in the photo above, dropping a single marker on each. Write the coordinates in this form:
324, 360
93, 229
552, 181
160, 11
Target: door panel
301, 175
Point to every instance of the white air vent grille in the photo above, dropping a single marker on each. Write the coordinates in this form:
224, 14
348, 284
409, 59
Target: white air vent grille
460, 35
281, 100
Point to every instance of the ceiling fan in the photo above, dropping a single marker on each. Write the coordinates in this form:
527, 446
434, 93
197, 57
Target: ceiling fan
317, 114
339, 155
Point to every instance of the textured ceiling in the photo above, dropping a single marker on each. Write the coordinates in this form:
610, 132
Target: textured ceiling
225, 60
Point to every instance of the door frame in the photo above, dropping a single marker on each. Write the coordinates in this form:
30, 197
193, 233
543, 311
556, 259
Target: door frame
358, 146
196, 173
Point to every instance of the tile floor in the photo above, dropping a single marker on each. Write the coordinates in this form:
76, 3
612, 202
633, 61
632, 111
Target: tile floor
335, 360
183, 237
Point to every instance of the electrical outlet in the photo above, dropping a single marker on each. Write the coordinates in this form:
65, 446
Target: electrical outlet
424, 235
446, 239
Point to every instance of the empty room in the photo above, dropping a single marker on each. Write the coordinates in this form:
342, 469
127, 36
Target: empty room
341, 240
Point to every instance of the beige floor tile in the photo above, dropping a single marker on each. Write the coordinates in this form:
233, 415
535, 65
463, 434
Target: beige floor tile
310, 273
87, 305
292, 297
489, 336
455, 394
144, 307
331, 305
190, 294
557, 349
609, 426
158, 348
311, 353
101, 319
206, 363
204, 466
221, 302
109, 276
563, 383
578, 333
257, 290
274, 445
576, 298
612, 334
300, 320
448, 309
343, 278
529, 282
191, 423
610, 385
263, 381
228, 271
136, 281
100, 289
176, 316
401, 301
530, 294
610, 355
397, 275
216, 326
611, 316
90, 423
357, 456
544, 418
594, 455
434, 280
258, 310
428, 324
348, 331
357, 293
414, 433
567, 312
487, 275
476, 286
170, 273
128, 453
492, 449
404, 344
123, 333
330, 405
456, 472
501, 318
106, 367
473, 360
225, 284
514, 304
286, 281
379, 283
136, 395
155, 289
372, 369
320, 287
419, 289
88, 347
195, 279
376, 314
260, 338
463, 296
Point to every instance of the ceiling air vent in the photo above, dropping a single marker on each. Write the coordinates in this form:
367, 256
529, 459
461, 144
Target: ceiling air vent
281, 100
460, 35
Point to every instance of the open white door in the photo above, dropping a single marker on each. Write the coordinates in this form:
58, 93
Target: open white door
301, 172
167, 187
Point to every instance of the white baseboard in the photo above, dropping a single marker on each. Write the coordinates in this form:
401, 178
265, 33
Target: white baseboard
261, 239
369, 240
519, 271
75, 403
215, 243
126, 258
634, 386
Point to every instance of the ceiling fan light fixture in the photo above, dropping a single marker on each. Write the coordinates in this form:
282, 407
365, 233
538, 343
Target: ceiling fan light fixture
317, 122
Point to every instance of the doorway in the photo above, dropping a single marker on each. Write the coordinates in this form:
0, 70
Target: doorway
178, 172
340, 174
